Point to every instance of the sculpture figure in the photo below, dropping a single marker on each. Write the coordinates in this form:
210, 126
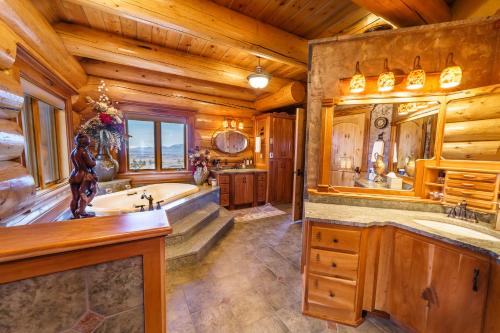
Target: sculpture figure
82, 180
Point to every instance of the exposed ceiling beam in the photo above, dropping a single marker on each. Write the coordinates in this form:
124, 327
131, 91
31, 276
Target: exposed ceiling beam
212, 22
405, 13
138, 75
30, 25
89, 43
122, 91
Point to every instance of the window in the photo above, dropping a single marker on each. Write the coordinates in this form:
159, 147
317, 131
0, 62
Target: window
156, 145
44, 145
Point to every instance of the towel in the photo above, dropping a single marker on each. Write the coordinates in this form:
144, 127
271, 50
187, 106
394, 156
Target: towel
378, 149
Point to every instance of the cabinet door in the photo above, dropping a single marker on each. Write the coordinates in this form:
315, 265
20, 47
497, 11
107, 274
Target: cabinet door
410, 281
243, 189
460, 283
283, 139
281, 181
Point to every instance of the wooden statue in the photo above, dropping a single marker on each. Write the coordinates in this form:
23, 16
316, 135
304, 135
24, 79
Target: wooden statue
82, 180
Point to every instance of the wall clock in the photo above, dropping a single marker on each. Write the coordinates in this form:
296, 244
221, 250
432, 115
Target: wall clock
381, 122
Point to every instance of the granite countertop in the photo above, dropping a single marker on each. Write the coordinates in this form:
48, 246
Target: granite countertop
367, 216
249, 170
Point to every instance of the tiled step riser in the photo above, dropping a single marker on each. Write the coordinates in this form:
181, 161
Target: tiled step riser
191, 259
172, 240
177, 213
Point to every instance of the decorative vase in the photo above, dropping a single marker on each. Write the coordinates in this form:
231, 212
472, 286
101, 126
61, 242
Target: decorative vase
410, 166
106, 166
379, 166
200, 175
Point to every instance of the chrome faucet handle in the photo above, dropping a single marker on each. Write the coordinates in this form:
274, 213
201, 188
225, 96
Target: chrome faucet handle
140, 206
158, 206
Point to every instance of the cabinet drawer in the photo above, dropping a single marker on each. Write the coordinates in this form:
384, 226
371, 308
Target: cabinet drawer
333, 263
485, 205
261, 177
336, 239
480, 195
482, 177
331, 292
224, 200
224, 188
471, 185
224, 179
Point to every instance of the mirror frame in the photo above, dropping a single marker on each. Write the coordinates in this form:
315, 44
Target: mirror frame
223, 130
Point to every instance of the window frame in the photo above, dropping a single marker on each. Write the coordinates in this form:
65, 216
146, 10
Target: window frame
157, 121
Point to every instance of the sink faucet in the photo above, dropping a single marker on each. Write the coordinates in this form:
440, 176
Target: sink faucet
460, 211
149, 198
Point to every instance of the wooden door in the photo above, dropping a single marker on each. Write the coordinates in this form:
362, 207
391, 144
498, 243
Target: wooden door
410, 281
298, 165
348, 140
460, 284
282, 137
243, 189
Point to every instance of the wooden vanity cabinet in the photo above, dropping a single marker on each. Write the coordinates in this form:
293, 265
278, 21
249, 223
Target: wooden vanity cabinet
242, 188
425, 285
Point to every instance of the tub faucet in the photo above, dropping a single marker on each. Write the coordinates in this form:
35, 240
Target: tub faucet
149, 198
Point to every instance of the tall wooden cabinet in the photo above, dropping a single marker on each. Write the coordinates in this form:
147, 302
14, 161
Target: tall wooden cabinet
277, 132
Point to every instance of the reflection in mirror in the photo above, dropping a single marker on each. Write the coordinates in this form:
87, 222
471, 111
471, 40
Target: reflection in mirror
472, 129
230, 141
377, 145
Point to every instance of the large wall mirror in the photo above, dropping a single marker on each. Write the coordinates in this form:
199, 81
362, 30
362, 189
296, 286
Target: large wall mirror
472, 129
377, 145
230, 141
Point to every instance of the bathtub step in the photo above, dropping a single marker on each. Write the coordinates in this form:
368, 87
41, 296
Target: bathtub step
192, 223
195, 248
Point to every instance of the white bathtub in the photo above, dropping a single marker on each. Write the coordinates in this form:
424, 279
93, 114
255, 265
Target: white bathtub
126, 201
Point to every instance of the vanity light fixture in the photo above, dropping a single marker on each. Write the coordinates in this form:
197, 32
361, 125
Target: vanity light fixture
386, 79
260, 79
416, 78
240, 125
451, 76
233, 123
225, 123
358, 81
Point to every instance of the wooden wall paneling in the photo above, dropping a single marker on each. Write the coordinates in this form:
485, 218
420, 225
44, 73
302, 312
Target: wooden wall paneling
17, 188
210, 21
11, 140
8, 47
136, 75
472, 150
476, 130
27, 22
474, 108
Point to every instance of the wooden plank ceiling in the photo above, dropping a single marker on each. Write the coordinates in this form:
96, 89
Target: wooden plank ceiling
307, 19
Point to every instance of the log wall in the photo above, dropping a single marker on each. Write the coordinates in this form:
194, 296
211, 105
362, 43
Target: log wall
475, 45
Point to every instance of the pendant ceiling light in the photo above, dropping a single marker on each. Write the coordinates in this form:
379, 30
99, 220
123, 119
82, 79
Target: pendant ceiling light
259, 79
386, 79
416, 78
451, 76
358, 81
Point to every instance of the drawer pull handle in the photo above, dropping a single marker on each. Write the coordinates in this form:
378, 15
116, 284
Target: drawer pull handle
469, 176
318, 236
332, 294
468, 184
334, 265
475, 280
317, 257
335, 240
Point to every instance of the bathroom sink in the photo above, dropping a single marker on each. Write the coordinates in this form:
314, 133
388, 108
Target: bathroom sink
456, 230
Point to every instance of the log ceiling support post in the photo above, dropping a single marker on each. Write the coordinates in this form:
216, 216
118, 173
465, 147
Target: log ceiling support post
212, 22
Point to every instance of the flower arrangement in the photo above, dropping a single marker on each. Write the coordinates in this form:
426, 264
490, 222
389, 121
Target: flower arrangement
107, 127
199, 159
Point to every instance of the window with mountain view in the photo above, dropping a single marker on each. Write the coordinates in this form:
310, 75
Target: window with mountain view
141, 145
149, 139
173, 150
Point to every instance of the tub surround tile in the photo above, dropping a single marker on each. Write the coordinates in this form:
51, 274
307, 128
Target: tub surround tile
130, 321
88, 323
368, 216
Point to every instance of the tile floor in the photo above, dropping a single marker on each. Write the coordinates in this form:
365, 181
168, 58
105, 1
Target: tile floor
249, 282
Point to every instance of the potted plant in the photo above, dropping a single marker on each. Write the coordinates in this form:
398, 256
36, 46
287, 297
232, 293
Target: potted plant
199, 163
107, 129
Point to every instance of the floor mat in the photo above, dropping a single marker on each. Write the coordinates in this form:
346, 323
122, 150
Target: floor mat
256, 213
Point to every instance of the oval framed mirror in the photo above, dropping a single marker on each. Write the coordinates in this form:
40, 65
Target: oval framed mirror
230, 141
